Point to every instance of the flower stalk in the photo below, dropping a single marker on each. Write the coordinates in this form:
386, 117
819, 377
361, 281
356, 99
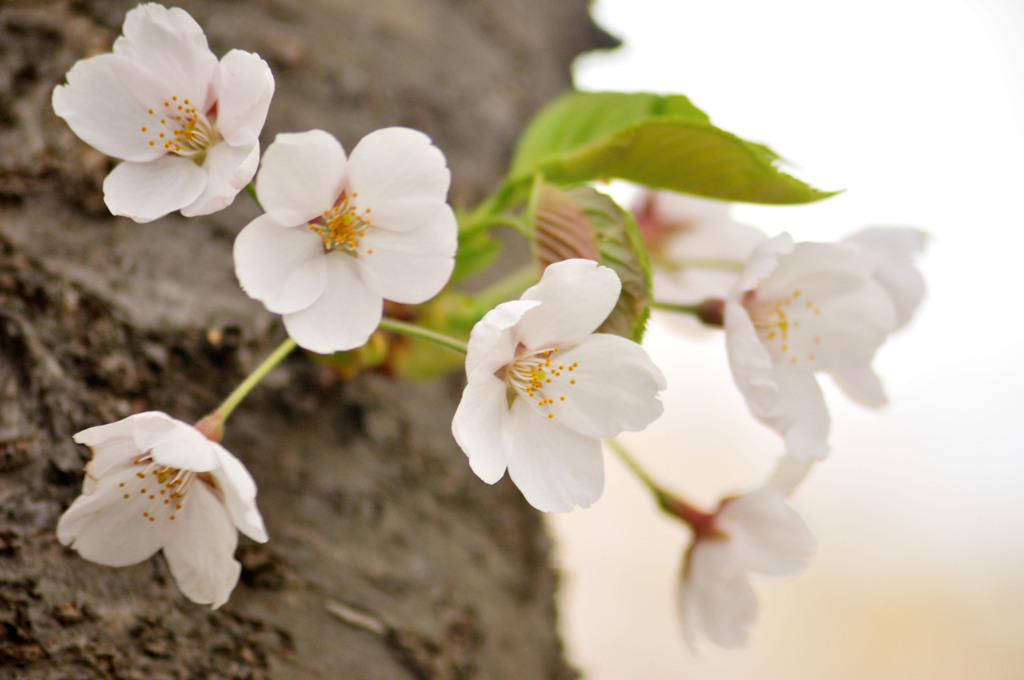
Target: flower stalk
414, 331
217, 418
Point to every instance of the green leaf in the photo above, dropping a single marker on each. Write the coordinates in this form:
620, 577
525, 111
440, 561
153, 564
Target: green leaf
659, 141
579, 221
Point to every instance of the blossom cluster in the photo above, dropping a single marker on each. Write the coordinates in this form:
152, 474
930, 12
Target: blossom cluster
342, 233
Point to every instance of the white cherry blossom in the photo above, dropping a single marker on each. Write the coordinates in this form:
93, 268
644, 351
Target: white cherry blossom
158, 483
756, 533
800, 309
341, 234
543, 389
185, 126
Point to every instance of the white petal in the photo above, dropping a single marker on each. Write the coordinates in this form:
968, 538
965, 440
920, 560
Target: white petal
768, 536
862, 385
106, 103
284, 268
111, 445
478, 426
892, 250
343, 317
400, 175
788, 473
751, 365
763, 261
174, 443
412, 266
576, 295
106, 528
246, 88
493, 341
170, 43
801, 415
303, 174
715, 599
147, 191
239, 491
228, 170
555, 468
200, 551
616, 387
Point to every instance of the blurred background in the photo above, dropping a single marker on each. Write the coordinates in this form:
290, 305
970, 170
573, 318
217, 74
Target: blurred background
916, 109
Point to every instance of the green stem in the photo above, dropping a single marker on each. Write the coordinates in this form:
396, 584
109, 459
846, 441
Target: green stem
414, 331
253, 379
702, 523
693, 310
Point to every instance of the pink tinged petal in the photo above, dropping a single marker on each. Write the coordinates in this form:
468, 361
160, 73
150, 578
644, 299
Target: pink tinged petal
303, 175
238, 493
555, 468
228, 170
493, 340
344, 316
893, 250
801, 415
602, 387
107, 528
576, 295
768, 536
716, 600
147, 191
170, 43
751, 364
106, 103
173, 443
400, 175
479, 423
200, 549
862, 385
283, 268
413, 266
246, 88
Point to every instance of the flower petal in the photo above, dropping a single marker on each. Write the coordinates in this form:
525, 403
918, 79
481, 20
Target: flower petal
555, 467
200, 550
228, 170
173, 443
492, 342
284, 268
715, 599
412, 266
576, 295
243, 98
768, 536
107, 528
400, 175
147, 191
344, 316
170, 42
303, 174
862, 385
106, 103
239, 495
614, 387
892, 250
479, 423
751, 364
801, 415
111, 445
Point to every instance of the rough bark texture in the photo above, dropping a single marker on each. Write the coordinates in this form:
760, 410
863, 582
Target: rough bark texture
388, 559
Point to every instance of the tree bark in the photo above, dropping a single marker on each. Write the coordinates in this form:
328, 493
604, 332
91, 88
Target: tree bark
388, 559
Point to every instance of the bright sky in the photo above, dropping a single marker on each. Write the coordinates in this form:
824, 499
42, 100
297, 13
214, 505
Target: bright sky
916, 108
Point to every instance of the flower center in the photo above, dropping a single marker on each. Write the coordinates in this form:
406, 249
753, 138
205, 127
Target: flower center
536, 378
165, 487
181, 130
786, 326
342, 226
